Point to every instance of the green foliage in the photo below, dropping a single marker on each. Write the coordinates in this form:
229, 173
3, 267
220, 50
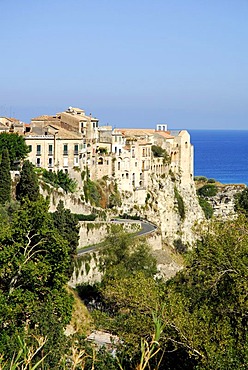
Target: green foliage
82, 217
241, 201
160, 152
5, 178
16, 146
92, 192
207, 190
67, 225
126, 254
180, 247
211, 181
60, 179
28, 186
206, 304
206, 207
180, 203
34, 268
201, 178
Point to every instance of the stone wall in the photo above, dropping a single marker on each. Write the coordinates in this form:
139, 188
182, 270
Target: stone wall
92, 233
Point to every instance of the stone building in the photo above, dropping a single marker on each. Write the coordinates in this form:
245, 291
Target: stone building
74, 142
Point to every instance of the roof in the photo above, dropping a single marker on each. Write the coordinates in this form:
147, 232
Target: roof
45, 118
165, 134
135, 131
62, 133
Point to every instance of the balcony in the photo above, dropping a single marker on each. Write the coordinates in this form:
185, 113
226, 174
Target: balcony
50, 153
38, 153
65, 152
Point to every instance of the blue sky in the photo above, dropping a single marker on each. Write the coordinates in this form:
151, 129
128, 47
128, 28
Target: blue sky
130, 63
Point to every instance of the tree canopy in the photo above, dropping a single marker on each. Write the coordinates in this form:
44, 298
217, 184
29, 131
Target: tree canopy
28, 186
34, 267
5, 178
206, 305
17, 148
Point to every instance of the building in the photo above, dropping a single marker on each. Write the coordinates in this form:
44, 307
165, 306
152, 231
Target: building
74, 142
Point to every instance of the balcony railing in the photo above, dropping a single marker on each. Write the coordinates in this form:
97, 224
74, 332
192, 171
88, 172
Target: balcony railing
50, 153
65, 152
38, 153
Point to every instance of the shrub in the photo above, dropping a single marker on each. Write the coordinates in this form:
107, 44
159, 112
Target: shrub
160, 152
206, 207
60, 179
180, 203
200, 178
207, 190
82, 217
211, 181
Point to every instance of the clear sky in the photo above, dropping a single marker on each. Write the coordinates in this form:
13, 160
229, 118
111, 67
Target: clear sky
131, 63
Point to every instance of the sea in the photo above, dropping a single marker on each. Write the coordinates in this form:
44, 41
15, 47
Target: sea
221, 154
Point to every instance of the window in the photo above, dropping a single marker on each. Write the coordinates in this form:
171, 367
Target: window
119, 165
30, 148
38, 148
65, 149
50, 162
76, 149
37, 162
76, 161
50, 149
65, 162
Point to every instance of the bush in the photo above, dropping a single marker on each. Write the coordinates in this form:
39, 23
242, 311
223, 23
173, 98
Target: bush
207, 190
160, 152
206, 207
201, 178
211, 181
180, 203
60, 179
82, 217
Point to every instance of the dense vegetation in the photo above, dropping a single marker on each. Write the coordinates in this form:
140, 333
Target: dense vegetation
17, 148
5, 178
158, 151
60, 179
195, 321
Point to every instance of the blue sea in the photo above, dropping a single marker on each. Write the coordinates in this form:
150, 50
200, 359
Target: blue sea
221, 154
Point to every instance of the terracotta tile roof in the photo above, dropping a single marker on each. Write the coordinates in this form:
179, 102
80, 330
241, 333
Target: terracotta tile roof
62, 133
165, 134
45, 118
136, 131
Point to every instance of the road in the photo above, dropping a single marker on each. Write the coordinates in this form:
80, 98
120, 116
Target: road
146, 228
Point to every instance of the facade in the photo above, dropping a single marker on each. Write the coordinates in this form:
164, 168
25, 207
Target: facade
73, 142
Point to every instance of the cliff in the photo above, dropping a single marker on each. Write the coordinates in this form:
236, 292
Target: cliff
171, 204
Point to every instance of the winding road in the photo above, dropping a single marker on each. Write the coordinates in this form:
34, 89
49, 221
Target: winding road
146, 228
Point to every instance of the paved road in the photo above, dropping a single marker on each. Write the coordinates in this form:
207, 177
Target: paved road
146, 228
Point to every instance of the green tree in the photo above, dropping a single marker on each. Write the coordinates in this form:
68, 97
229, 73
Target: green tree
34, 264
208, 190
206, 304
17, 148
68, 227
127, 254
5, 178
241, 201
60, 179
28, 186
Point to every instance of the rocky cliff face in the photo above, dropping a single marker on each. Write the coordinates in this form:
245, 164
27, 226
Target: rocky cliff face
173, 206
224, 201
